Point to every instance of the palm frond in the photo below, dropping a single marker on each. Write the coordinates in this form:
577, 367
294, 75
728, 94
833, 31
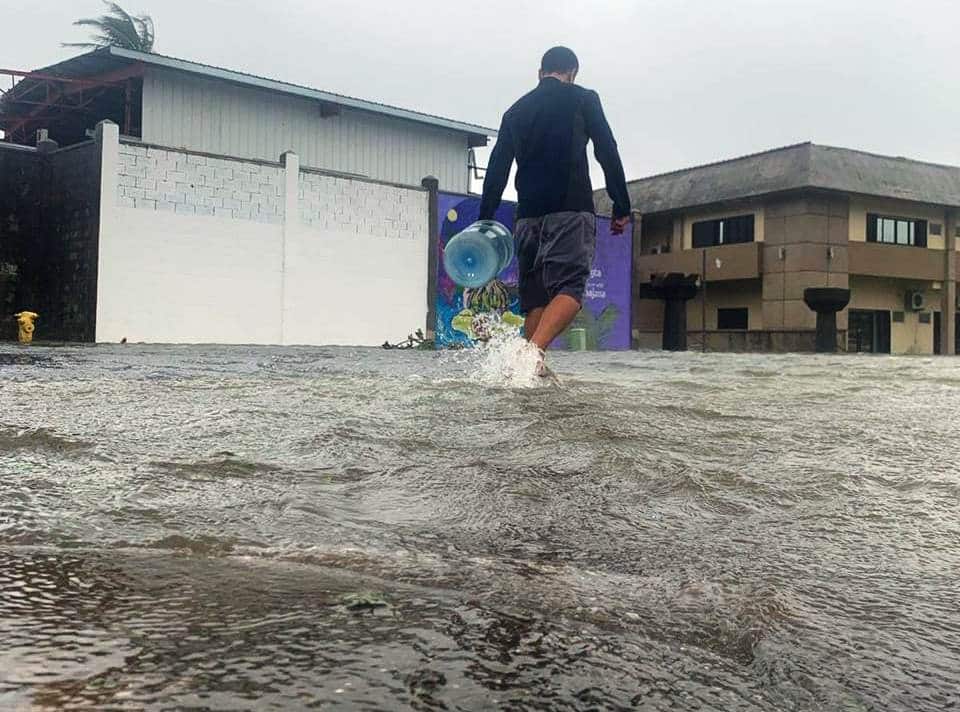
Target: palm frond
147, 31
119, 29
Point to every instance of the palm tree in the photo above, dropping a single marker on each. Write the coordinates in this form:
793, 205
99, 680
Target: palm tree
118, 28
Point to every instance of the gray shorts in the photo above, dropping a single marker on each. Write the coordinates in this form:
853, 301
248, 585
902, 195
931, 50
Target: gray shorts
554, 256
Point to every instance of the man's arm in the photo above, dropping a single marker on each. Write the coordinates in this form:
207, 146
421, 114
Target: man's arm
605, 149
498, 172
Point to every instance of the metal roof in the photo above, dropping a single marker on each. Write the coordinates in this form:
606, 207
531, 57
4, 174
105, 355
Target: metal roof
108, 57
803, 165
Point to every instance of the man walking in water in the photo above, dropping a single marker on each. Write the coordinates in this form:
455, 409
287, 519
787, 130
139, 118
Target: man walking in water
547, 132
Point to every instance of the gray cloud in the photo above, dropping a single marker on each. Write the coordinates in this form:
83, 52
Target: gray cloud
683, 81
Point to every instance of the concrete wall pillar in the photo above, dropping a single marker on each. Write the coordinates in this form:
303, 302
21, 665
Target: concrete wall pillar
948, 308
291, 196
433, 251
107, 137
805, 246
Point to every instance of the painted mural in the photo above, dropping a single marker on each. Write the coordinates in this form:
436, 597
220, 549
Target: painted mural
463, 314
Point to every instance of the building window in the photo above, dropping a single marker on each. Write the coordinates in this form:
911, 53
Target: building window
896, 231
732, 319
936, 229
726, 231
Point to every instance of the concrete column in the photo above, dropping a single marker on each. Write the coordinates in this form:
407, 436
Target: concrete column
675, 290
433, 251
805, 246
948, 308
636, 250
826, 302
291, 219
674, 323
107, 137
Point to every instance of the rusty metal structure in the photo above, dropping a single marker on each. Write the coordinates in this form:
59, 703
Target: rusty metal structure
69, 98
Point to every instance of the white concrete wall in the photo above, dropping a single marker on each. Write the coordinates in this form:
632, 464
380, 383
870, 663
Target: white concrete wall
371, 241
198, 114
197, 249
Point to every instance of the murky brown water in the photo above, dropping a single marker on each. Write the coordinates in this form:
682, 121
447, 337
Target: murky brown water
182, 528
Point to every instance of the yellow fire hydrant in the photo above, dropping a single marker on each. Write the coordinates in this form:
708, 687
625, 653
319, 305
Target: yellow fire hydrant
25, 321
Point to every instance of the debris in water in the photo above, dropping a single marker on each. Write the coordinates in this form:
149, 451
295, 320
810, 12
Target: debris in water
424, 682
364, 601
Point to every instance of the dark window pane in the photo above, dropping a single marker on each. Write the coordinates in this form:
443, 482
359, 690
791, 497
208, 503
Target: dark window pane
738, 230
733, 319
872, 228
706, 233
920, 233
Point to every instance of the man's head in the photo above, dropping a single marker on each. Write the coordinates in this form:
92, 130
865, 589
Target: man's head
560, 63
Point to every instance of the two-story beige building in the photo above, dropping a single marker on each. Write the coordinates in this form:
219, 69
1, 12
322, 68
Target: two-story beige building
765, 227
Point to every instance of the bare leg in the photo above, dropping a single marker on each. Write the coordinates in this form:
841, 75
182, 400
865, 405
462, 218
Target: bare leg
555, 318
531, 322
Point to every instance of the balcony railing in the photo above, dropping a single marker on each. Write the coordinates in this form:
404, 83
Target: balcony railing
896, 261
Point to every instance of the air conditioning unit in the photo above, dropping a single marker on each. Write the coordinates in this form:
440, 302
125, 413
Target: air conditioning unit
915, 301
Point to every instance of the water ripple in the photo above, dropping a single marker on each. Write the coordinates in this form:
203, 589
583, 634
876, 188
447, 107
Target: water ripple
180, 528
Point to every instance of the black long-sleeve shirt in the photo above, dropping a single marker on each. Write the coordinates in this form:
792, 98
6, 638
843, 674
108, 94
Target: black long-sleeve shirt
547, 132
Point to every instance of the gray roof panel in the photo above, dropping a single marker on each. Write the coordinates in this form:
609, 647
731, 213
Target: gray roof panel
106, 58
804, 165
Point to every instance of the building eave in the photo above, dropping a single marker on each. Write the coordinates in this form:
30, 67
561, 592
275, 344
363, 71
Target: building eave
254, 81
799, 167
105, 59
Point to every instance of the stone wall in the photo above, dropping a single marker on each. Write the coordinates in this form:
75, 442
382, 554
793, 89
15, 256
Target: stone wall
49, 221
756, 341
20, 196
67, 287
739, 341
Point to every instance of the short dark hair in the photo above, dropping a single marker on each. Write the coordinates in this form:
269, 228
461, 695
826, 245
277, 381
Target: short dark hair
559, 60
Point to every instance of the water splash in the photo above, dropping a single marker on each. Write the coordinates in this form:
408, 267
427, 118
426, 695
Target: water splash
508, 360
504, 359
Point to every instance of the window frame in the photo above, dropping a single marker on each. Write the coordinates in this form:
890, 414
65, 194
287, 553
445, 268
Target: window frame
719, 228
889, 229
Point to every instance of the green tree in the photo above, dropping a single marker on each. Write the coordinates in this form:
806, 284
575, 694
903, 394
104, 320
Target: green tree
118, 28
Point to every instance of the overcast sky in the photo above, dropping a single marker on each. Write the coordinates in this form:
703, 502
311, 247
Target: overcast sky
683, 81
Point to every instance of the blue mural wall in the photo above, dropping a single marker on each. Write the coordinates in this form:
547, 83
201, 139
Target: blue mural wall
462, 314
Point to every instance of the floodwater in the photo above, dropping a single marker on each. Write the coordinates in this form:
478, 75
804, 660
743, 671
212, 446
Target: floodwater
254, 528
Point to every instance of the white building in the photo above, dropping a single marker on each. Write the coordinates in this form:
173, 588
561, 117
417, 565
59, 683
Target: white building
195, 107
